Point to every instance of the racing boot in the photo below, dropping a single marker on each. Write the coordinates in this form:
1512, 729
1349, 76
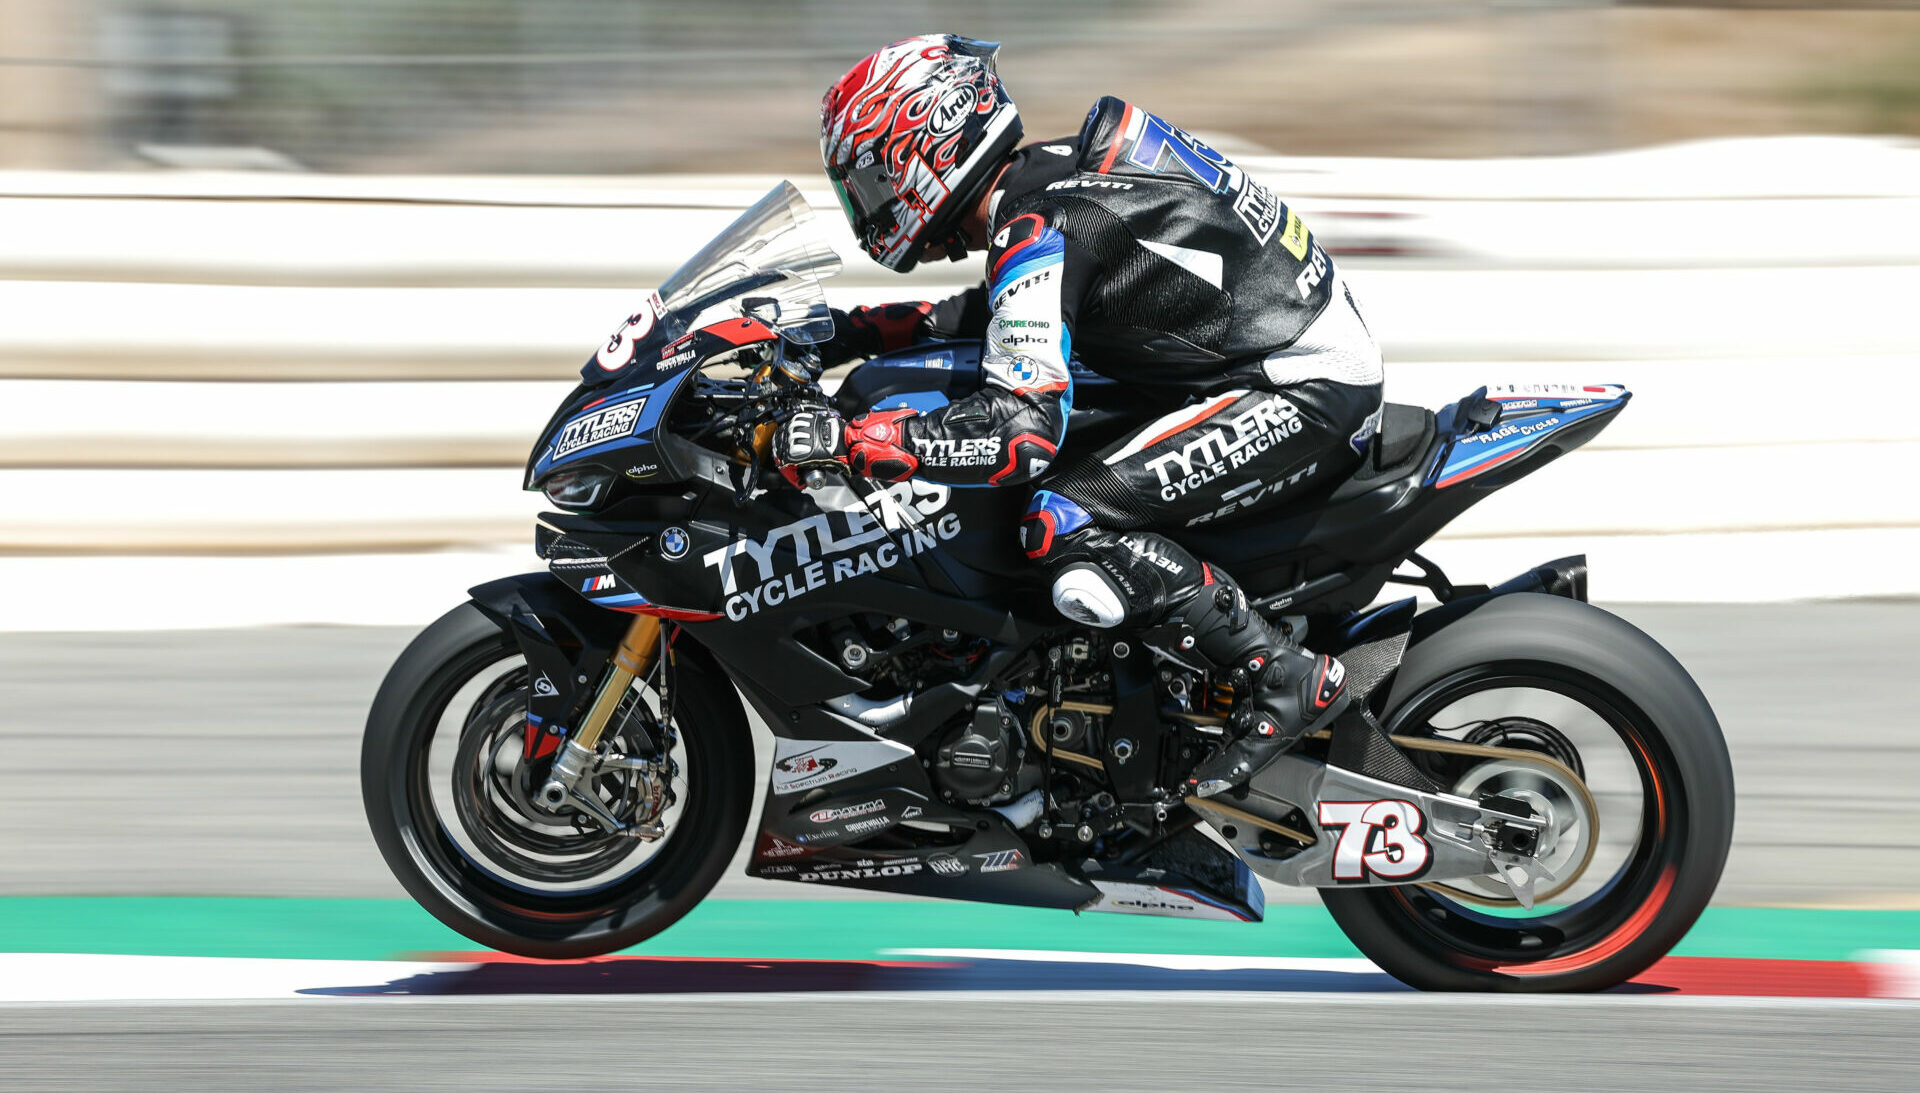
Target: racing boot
1284, 690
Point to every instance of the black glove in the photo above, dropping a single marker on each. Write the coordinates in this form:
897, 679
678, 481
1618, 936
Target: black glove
810, 440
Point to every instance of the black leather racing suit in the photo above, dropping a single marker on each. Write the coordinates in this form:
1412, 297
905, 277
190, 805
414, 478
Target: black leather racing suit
1152, 259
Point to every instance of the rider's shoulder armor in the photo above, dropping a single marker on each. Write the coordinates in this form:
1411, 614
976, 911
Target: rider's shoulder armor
1196, 264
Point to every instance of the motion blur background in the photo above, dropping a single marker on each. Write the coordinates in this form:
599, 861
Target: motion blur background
287, 287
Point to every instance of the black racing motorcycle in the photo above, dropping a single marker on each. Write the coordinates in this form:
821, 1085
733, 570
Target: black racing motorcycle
562, 766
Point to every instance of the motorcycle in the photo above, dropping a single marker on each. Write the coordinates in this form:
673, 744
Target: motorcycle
562, 766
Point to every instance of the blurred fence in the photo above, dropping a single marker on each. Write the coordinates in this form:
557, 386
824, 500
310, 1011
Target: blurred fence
590, 86
215, 363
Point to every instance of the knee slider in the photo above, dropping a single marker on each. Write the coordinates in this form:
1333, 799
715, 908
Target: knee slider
1085, 593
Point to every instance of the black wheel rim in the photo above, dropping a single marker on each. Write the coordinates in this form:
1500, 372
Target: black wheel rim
540, 912
1574, 937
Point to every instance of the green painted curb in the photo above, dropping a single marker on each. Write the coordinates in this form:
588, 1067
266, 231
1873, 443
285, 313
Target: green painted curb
374, 929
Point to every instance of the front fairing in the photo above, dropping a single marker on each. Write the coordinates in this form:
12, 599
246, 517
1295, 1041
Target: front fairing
766, 265
757, 281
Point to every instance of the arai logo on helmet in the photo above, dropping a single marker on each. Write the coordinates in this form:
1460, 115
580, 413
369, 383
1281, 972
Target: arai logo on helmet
952, 109
673, 543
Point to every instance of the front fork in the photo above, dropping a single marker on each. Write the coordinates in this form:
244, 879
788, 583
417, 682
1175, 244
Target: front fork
632, 659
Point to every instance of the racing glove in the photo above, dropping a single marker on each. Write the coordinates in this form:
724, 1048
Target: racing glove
810, 440
877, 446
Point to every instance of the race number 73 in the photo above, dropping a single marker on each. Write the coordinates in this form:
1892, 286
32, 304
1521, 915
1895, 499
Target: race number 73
1379, 840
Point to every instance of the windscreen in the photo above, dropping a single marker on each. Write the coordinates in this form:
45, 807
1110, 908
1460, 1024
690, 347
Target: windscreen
772, 260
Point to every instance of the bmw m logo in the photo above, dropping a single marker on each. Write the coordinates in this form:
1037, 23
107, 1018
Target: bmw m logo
673, 543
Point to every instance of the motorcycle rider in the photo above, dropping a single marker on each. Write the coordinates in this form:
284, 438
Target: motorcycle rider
1163, 266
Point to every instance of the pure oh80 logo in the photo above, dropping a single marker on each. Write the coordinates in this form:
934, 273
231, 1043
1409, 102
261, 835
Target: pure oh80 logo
1379, 840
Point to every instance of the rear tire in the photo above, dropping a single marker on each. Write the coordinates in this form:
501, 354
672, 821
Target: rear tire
1434, 943
429, 863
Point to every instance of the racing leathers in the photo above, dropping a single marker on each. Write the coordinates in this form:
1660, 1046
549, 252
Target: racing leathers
1158, 263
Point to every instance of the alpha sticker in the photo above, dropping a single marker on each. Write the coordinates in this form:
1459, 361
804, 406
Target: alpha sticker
1128, 898
1379, 840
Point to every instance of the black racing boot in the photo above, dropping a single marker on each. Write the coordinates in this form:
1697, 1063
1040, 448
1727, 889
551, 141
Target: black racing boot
1284, 689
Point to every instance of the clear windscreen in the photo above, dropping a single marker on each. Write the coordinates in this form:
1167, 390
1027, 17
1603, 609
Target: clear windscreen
771, 261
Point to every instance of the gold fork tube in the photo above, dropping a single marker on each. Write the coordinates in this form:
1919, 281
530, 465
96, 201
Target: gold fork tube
634, 658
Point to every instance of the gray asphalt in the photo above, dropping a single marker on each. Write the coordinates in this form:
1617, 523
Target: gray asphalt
226, 762
1048, 1042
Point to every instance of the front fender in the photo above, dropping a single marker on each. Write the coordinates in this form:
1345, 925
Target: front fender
567, 641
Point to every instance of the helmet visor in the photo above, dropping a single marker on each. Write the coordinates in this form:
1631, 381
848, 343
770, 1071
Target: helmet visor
870, 204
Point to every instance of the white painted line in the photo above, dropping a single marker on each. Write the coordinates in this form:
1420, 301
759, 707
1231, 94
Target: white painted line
1192, 962
1895, 972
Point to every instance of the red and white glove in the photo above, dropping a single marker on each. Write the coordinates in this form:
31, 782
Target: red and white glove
810, 440
877, 446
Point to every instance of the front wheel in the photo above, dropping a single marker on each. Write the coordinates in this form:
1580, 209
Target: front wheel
1599, 697
451, 807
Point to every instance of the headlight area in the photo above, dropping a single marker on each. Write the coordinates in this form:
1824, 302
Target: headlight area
580, 488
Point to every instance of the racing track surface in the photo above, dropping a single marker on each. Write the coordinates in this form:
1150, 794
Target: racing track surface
969, 1042
224, 762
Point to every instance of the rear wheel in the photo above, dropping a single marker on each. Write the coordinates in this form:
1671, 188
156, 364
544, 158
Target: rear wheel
1582, 687
451, 807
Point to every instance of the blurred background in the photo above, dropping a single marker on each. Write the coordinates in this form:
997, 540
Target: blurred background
617, 86
287, 287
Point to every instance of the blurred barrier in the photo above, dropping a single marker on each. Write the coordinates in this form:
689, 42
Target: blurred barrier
1766, 335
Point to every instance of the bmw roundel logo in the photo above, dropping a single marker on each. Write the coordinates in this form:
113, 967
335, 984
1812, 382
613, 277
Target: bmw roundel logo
673, 543
1024, 369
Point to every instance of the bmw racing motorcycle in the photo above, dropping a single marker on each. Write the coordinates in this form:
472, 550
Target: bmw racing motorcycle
562, 766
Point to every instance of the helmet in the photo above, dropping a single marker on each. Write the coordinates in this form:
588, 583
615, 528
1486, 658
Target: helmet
911, 137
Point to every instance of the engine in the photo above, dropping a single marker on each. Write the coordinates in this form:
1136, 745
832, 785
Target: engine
977, 760
1054, 723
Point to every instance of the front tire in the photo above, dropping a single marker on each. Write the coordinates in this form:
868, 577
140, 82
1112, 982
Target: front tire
427, 855
1429, 940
